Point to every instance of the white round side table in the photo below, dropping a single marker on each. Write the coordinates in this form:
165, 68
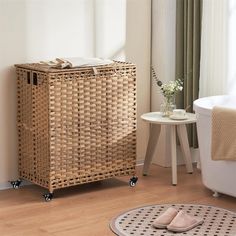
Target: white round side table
156, 121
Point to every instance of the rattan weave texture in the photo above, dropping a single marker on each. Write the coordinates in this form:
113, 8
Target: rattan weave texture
77, 125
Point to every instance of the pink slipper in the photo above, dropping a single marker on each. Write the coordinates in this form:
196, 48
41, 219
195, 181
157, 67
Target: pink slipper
164, 219
184, 222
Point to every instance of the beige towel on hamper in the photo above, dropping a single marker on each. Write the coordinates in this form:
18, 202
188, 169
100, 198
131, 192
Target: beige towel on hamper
223, 140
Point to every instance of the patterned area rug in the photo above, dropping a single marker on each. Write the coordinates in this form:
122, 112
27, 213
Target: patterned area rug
138, 222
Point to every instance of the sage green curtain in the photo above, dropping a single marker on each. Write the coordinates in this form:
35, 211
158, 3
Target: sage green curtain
188, 36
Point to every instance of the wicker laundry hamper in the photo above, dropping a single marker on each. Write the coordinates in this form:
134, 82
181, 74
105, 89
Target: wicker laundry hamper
76, 126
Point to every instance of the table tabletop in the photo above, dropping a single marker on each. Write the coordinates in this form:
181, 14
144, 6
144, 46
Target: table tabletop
157, 118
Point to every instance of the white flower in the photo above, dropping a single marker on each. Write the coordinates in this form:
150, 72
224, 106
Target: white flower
171, 88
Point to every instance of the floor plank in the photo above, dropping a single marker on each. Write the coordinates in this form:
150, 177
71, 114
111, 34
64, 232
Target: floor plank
87, 209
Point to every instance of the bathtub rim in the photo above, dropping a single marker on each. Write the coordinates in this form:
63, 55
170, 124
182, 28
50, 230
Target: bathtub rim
201, 106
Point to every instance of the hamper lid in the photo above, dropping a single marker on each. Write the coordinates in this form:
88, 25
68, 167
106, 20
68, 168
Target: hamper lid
46, 68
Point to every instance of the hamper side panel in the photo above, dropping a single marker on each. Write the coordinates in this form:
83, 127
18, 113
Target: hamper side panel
24, 123
32, 126
40, 107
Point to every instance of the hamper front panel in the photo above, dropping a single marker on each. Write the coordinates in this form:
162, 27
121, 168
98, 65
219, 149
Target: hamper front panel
78, 128
92, 125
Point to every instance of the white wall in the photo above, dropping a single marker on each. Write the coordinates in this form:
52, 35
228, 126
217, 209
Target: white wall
109, 31
163, 61
138, 46
163, 45
33, 30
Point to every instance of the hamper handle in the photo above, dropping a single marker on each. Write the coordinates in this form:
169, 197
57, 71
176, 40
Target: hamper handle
28, 77
95, 71
35, 78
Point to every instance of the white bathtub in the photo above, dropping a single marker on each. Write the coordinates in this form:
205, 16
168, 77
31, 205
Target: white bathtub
219, 176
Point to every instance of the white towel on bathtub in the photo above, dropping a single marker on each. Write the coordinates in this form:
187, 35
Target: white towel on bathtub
223, 140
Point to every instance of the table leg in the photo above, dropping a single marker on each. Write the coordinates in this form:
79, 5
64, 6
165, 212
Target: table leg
173, 154
155, 130
183, 138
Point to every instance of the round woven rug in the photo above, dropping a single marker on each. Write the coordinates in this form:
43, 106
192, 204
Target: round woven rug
138, 222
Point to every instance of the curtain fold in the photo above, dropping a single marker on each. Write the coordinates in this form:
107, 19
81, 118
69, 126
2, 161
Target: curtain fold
188, 42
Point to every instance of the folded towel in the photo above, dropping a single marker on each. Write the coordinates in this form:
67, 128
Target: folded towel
223, 140
75, 62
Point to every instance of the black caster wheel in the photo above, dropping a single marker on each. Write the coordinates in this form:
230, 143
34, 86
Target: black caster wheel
16, 184
48, 197
133, 181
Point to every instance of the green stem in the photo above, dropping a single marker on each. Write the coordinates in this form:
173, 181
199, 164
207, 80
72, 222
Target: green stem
169, 99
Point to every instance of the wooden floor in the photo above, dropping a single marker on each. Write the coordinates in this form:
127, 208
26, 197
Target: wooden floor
87, 209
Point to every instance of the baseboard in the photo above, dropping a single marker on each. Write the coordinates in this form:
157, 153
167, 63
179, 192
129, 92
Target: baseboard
5, 186
139, 162
180, 161
166, 160
8, 185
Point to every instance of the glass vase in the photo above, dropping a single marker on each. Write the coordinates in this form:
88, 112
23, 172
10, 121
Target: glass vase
168, 106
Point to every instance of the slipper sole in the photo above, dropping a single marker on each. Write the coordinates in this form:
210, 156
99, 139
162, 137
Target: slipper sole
159, 226
179, 230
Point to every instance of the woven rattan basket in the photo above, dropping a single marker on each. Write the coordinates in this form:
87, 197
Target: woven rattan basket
76, 125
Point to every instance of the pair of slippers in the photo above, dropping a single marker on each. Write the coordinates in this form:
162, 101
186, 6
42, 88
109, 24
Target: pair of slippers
176, 221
